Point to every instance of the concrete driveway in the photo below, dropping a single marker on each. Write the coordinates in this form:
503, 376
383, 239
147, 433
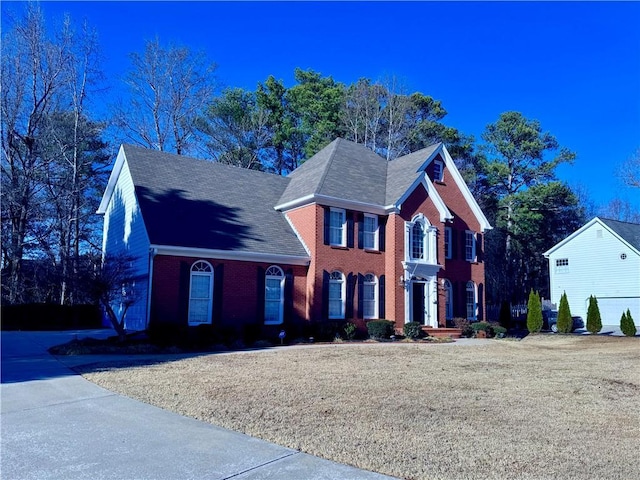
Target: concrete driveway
56, 425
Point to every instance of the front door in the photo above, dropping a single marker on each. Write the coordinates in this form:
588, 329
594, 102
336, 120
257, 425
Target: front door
418, 302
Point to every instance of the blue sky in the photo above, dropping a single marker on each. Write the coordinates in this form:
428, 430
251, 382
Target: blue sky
574, 66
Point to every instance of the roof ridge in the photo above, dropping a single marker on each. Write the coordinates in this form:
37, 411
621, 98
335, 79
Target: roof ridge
327, 165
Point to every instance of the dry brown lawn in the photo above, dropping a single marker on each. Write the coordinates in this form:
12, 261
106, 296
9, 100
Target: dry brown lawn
546, 407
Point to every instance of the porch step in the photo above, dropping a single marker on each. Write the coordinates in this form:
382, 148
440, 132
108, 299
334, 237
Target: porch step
443, 332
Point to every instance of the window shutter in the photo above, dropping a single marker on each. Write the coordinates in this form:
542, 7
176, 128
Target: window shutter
218, 273
382, 226
260, 286
463, 245
479, 248
350, 233
360, 296
183, 291
381, 304
288, 296
327, 224
351, 290
360, 230
325, 294
454, 244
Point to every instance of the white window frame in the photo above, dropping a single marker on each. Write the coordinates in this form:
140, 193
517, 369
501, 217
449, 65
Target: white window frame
370, 281
370, 237
448, 246
562, 265
472, 307
412, 241
438, 171
448, 298
201, 268
337, 278
342, 228
274, 273
470, 246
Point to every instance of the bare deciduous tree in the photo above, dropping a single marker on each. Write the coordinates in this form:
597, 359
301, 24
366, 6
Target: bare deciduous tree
169, 89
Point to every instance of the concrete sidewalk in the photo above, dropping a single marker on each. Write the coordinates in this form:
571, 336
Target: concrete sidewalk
55, 425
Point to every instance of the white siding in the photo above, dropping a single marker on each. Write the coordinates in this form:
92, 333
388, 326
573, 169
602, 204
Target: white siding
124, 233
596, 268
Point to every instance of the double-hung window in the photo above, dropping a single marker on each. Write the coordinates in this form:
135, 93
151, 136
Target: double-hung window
562, 265
370, 232
448, 248
370, 296
470, 246
337, 227
471, 301
417, 241
273, 296
337, 290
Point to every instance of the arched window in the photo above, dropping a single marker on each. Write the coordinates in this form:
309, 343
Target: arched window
200, 293
370, 296
417, 241
471, 301
273, 296
448, 298
336, 295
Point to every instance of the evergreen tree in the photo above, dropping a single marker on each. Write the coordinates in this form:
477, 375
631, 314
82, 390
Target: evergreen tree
594, 322
627, 325
565, 322
534, 312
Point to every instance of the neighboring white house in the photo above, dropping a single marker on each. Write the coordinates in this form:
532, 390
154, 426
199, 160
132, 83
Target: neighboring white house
602, 259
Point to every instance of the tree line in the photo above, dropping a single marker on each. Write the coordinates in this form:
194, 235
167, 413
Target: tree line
56, 151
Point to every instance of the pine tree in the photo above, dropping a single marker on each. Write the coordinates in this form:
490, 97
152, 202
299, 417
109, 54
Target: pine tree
627, 325
534, 312
594, 321
565, 322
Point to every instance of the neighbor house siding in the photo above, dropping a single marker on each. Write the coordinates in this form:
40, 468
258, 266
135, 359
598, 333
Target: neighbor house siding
596, 268
124, 233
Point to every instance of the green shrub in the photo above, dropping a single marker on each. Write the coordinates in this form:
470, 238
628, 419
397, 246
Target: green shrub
534, 312
627, 325
594, 321
565, 322
380, 329
480, 326
413, 330
349, 330
499, 331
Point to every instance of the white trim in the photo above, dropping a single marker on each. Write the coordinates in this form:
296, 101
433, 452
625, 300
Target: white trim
231, 255
466, 193
582, 229
152, 254
343, 295
343, 227
328, 201
295, 230
113, 180
210, 298
281, 277
376, 232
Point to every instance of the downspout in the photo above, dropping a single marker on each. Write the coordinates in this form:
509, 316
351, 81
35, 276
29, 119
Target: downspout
152, 254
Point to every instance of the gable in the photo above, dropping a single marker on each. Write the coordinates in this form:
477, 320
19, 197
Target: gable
196, 204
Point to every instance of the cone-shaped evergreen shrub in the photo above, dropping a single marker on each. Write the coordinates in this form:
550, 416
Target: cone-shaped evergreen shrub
534, 312
565, 323
626, 324
594, 322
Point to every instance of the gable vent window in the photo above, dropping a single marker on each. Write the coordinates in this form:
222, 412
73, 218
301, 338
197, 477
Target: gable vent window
562, 265
598, 233
623, 256
438, 171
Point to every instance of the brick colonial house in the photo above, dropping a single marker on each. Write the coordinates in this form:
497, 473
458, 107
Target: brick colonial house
346, 236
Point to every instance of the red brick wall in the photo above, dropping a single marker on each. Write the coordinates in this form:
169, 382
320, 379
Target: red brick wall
170, 291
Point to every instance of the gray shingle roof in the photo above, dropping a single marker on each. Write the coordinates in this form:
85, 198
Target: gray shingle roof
351, 171
195, 203
629, 231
